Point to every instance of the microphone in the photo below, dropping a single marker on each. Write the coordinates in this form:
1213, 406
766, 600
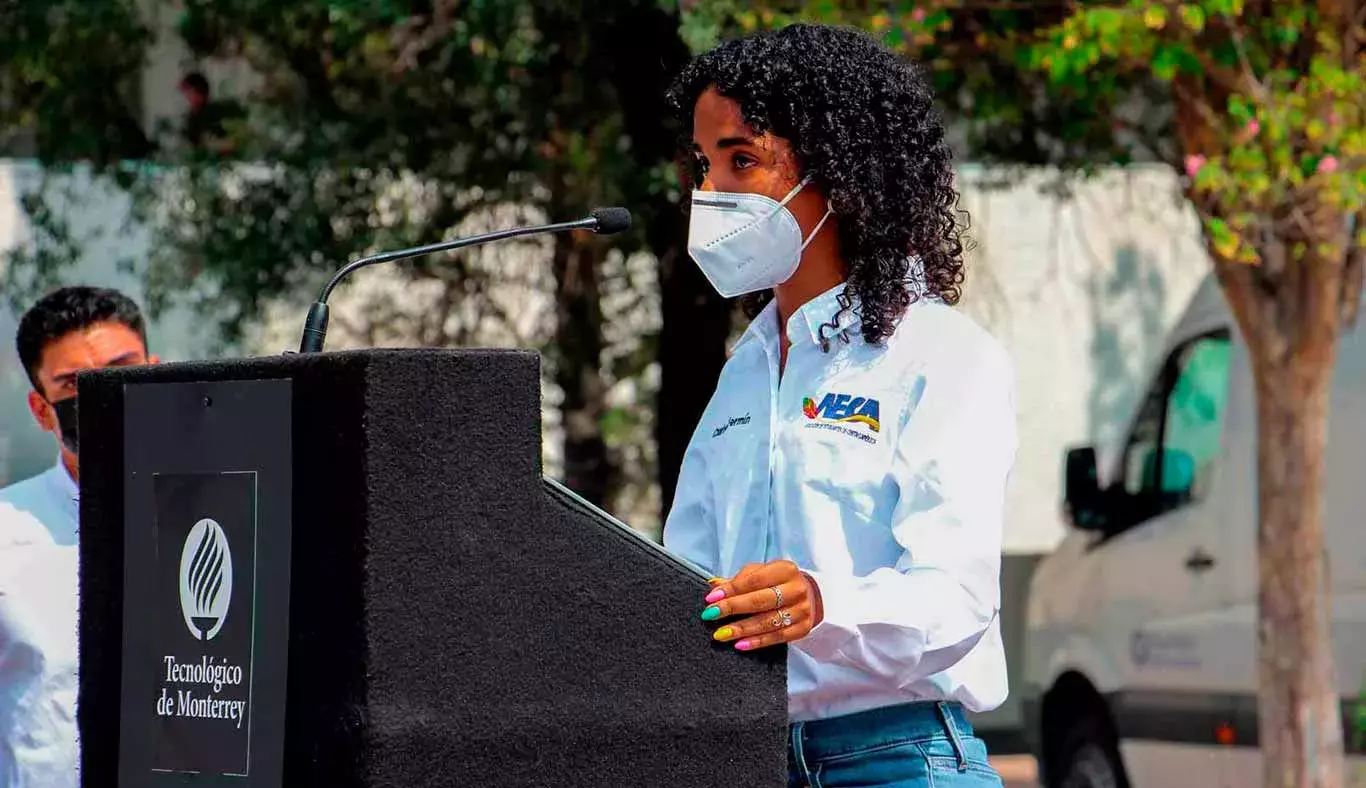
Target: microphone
603, 221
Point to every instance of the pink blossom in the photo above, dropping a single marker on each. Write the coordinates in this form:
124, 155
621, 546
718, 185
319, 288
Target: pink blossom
1252, 128
1194, 164
1328, 164
918, 15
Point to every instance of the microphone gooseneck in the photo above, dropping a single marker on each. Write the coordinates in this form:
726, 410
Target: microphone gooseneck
603, 221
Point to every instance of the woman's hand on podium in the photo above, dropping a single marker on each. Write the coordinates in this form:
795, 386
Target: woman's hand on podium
780, 601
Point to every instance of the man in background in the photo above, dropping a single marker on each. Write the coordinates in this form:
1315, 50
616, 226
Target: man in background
69, 330
207, 121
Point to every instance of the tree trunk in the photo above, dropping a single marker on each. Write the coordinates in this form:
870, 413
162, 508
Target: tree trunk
1299, 717
1291, 322
589, 468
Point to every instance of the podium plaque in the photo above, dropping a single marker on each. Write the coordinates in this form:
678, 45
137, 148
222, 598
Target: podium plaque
204, 670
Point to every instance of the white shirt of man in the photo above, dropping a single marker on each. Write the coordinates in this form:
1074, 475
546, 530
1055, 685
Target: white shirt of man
52, 497
880, 470
38, 660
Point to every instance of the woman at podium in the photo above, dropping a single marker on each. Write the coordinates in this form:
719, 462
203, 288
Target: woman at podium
846, 483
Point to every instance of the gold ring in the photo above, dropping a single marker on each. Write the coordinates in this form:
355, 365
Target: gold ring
781, 620
777, 592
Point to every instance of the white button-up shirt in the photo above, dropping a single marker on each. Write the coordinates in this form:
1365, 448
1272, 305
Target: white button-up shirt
881, 471
53, 498
38, 660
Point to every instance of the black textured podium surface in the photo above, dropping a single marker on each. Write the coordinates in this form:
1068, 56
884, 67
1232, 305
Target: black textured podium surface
455, 620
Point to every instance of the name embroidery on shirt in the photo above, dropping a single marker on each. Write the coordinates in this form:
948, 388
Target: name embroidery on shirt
719, 431
854, 416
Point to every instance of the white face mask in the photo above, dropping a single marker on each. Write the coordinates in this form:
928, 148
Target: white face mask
745, 243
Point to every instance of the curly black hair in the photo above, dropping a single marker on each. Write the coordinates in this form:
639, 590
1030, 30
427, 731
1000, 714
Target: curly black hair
862, 122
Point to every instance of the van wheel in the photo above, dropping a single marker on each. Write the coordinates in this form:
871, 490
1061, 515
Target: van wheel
1089, 759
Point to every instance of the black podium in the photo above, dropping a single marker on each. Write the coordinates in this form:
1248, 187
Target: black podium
345, 570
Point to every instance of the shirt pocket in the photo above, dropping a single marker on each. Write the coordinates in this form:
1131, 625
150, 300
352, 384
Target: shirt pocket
843, 458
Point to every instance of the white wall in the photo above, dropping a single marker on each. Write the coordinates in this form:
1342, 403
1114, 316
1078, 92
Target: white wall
1082, 290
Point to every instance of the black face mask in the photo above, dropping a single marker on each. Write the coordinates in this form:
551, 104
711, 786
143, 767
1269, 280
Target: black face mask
66, 422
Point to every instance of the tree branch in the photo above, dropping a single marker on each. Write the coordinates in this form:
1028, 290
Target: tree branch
1195, 118
415, 35
1240, 46
1254, 304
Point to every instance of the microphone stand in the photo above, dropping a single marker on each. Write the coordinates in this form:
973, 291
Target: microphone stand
315, 325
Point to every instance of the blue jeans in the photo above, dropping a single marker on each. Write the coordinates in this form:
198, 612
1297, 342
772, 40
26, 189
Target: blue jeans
916, 745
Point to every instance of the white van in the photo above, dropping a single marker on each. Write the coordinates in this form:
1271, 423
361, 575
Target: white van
1141, 644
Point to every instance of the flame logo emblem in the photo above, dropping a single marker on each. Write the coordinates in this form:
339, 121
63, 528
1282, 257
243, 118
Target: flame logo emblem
205, 579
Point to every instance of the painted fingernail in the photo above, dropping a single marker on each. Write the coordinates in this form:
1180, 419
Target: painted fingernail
715, 580
716, 595
724, 633
745, 645
711, 614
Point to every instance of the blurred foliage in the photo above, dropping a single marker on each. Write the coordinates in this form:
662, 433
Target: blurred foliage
48, 47
471, 103
1260, 104
975, 55
374, 124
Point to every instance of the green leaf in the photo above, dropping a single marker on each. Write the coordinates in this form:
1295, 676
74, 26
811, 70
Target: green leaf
1193, 16
1240, 109
1155, 16
1165, 63
1221, 237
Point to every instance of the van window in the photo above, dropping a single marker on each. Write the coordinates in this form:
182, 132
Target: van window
1177, 436
1192, 434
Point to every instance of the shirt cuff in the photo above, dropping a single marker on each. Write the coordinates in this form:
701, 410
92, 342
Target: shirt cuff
838, 625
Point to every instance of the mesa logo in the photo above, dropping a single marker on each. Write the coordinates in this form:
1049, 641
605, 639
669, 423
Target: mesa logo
835, 410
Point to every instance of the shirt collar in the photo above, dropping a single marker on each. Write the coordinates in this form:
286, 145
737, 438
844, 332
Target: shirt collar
805, 322
815, 314
821, 311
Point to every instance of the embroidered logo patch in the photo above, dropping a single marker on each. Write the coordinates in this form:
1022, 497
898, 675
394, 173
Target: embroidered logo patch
855, 416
